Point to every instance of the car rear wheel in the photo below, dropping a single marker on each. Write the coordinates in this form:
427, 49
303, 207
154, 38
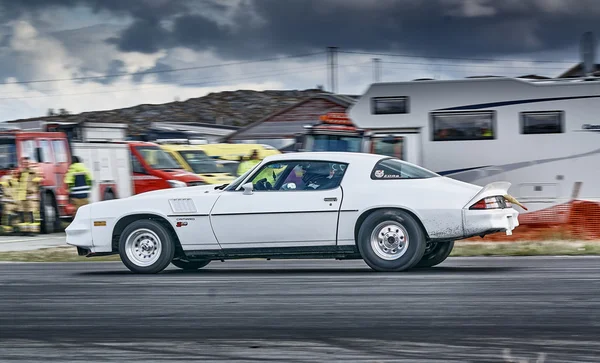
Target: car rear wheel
146, 246
190, 265
391, 240
435, 253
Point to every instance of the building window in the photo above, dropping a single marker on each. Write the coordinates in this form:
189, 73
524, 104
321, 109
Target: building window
389, 105
543, 122
458, 126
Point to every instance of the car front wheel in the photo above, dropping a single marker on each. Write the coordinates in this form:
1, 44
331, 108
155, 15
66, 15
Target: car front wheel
391, 240
190, 265
435, 253
146, 246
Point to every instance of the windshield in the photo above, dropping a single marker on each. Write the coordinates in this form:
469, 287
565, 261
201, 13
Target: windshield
200, 162
234, 184
8, 154
388, 147
157, 158
334, 143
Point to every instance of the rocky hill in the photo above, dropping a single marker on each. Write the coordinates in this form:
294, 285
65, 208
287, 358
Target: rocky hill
233, 108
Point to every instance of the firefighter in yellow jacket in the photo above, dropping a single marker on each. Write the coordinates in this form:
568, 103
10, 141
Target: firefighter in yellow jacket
10, 188
79, 181
29, 197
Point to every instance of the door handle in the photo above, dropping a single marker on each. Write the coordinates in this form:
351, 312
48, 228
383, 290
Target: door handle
332, 199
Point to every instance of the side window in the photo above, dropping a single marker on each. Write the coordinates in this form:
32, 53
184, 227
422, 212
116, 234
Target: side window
393, 168
299, 175
389, 105
60, 151
136, 166
544, 122
455, 126
46, 152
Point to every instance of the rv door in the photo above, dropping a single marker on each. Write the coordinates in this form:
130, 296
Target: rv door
405, 146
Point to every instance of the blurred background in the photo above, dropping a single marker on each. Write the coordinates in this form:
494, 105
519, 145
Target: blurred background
139, 90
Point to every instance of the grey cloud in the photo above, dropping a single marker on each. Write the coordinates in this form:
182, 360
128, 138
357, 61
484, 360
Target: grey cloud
263, 28
465, 28
145, 36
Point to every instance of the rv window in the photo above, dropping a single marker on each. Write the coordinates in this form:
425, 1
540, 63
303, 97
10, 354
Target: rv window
542, 122
463, 126
389, 105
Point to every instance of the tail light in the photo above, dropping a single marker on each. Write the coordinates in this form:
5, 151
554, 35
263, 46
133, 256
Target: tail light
497, 202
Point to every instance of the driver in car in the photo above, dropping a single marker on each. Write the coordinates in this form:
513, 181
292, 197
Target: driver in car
319, 176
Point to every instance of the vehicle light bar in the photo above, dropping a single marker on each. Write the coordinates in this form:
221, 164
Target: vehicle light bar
338, 118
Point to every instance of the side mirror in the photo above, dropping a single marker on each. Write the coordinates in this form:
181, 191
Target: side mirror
248, 189
38, 154
289, 186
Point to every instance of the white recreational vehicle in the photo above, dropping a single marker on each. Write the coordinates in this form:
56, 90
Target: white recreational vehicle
543, 136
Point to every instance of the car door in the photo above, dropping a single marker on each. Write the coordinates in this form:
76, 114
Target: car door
300, 209
143, 181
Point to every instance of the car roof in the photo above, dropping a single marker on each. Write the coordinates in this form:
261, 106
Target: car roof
329, 156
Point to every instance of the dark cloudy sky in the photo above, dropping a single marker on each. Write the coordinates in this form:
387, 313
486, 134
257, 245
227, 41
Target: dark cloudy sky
42, 40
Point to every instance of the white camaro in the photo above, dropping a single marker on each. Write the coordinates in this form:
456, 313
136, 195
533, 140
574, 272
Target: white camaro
393, 214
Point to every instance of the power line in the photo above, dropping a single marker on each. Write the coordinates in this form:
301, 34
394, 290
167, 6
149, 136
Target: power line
162, 71
161, 85
283, 73
471, 65
454, 58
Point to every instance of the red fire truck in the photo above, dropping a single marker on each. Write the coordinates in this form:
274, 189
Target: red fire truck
119, 168
50, 151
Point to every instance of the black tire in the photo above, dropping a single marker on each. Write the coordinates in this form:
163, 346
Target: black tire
151, 234
191, 265
438, 253
48, 214
413, 251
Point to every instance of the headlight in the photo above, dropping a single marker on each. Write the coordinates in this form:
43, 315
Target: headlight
176, 184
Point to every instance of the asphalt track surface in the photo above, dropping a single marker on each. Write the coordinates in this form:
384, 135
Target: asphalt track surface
466, 310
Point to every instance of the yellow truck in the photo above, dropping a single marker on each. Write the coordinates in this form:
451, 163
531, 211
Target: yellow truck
235, 151
194, 159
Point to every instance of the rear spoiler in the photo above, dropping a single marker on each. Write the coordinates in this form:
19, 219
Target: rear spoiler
490, 190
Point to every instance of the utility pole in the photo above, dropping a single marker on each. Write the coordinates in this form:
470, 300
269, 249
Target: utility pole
332, 67
376, 70
588, 54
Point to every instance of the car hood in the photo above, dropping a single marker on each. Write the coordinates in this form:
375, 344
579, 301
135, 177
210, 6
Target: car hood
178, 174
185, 192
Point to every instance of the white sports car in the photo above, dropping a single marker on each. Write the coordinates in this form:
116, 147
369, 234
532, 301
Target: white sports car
393, 214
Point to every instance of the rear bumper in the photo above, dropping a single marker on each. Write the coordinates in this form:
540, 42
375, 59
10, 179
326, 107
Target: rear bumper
482, 222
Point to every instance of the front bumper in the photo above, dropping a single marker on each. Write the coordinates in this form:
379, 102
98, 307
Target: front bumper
482, 222
79, 232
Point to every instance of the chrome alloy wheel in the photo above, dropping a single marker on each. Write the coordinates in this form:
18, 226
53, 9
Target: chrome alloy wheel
389, 240
143, 247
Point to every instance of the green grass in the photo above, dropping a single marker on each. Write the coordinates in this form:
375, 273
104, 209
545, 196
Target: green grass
545, 248
461, 249
56, 254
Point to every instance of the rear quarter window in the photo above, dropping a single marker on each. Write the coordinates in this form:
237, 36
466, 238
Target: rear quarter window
392, 168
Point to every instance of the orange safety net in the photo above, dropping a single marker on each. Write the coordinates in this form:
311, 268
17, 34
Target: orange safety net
578, 220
